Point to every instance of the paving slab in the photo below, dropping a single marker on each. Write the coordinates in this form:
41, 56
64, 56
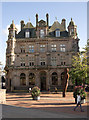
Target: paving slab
49, 105
19, 112
0, 111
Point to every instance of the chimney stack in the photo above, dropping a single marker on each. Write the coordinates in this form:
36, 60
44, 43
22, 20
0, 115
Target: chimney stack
22, 24
63, 23
36, 20
47, 19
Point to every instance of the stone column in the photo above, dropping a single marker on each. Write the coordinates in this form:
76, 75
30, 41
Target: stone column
47, 80
27, 78
50, 79
59, 79
37, 79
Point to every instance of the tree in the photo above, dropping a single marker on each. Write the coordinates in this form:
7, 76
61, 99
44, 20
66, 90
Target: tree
86, 50
78, 72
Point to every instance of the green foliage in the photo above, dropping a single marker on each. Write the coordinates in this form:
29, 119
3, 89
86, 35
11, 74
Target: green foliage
35, 91
78, 72
79, 89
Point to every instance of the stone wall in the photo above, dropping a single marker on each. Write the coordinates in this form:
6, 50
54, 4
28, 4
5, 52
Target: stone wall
2, 96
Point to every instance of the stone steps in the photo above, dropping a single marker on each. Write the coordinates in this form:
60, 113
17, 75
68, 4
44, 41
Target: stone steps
59, 88
52, 89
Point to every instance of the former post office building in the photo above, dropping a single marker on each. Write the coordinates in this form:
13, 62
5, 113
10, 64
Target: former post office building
37, 55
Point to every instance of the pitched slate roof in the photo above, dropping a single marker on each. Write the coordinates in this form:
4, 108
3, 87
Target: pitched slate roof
29, 25
56, 25
21, 34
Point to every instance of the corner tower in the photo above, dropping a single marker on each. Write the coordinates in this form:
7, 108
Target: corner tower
72, 28
11, 44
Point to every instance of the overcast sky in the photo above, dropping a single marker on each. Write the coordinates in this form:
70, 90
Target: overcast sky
18, 11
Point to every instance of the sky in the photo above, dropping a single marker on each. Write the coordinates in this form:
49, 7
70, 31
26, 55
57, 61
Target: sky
18, 11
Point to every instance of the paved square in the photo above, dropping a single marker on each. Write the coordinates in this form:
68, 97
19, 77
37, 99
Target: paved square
54, 104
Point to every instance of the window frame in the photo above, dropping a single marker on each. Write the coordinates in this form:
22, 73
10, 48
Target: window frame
31, 48
27, 34
57, 33
31, 61
42, 33
54, 61
53, 47
42, 48
42, 61
62, 48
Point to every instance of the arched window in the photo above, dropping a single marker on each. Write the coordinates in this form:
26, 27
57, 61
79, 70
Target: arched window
41, 33
54, 78
31, 79
23, 79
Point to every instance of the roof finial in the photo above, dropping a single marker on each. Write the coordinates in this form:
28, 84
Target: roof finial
29, 20
12, 21
56, 18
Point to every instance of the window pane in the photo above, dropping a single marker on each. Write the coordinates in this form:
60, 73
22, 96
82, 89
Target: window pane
42, 48
41, 33
27, 35
57, 33
62, 48
31, 48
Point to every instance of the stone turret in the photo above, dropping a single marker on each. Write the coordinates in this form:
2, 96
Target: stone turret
11, 44
72, 28
12, 30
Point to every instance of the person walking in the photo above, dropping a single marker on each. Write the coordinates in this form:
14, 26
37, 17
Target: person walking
79, 103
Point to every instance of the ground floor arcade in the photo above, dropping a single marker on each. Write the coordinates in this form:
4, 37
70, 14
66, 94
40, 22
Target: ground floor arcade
41, 78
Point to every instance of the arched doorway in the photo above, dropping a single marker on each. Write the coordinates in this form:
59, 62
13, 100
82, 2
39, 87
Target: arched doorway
54, 78
23, 79
43, 80
31, 79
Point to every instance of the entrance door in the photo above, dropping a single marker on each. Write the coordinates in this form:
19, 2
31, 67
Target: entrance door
43, 80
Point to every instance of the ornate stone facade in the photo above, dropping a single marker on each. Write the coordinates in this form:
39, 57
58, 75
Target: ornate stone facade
38, 55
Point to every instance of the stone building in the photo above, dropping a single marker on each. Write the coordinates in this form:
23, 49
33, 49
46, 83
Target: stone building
38, 55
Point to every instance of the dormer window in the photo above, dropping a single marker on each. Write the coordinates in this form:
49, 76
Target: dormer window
41, 33
27, 34
57, 33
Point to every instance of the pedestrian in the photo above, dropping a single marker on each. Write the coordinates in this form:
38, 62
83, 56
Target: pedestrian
49, 89
29, 90
79, 103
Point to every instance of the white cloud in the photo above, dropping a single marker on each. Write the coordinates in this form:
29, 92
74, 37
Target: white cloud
5, 31
18, 27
